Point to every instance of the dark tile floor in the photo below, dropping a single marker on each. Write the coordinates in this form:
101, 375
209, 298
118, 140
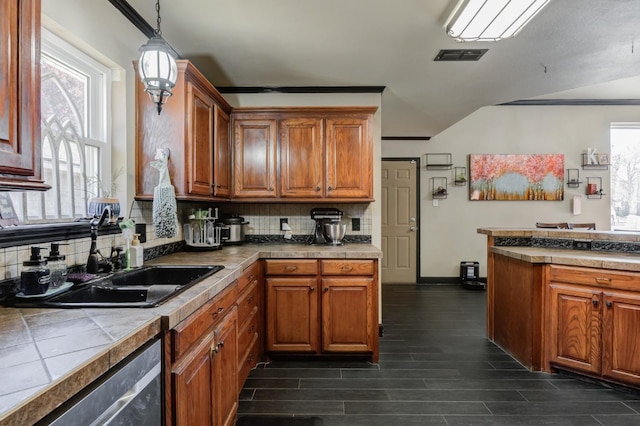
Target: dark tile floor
436, 368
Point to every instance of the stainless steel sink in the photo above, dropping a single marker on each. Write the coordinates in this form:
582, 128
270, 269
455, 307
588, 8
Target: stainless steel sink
145, 287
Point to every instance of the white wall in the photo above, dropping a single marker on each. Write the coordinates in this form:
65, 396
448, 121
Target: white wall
448, 232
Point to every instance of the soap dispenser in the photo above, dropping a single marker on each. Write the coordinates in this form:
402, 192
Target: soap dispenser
136, 252
57, 266
34, 278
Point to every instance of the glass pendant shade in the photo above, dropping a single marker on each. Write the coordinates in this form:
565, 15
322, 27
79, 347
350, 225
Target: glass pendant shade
158, 69
491, 20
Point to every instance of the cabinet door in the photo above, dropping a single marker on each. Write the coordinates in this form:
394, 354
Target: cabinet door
292, 315
301, 154
347, 314
349, 165
575, 327
254, 170
221, 155
192, 381
620, 331
20, 160
200, 137
225, 371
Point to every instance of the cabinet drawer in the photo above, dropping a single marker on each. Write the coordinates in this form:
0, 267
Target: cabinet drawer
249, 275
247, 301
595, 277
189, 331
346, 267
247, 333
247, 363
290, 267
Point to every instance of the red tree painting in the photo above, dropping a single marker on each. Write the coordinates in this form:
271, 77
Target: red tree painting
517, 177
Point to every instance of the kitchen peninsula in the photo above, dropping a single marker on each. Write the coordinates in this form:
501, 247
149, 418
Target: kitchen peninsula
42, 384
566, 300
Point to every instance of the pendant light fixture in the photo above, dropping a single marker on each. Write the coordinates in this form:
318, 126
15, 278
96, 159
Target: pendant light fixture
491, 20
157, 66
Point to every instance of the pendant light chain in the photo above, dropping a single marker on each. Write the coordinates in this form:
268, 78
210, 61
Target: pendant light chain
158, 31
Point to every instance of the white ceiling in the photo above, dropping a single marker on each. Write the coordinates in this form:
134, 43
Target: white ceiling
568, 47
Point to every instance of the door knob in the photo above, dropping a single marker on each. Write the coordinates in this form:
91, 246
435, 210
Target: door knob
413, 229
412, 219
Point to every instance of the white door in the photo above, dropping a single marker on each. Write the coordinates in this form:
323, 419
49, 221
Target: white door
399, 221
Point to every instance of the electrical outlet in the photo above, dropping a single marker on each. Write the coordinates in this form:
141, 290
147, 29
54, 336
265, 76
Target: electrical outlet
581, 245
283, 220
355, 223
141, 228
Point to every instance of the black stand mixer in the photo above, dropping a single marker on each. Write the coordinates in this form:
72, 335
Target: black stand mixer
323, 215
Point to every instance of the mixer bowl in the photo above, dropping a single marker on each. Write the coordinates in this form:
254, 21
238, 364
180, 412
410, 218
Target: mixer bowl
335, 232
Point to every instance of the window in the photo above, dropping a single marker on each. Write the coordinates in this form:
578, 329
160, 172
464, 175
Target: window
625, 176
75, 144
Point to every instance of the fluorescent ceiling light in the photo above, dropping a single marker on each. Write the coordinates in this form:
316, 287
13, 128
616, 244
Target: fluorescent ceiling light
491, 20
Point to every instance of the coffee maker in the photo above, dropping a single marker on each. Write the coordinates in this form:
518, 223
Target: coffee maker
323, 215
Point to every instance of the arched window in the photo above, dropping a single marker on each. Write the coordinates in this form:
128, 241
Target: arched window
75, 146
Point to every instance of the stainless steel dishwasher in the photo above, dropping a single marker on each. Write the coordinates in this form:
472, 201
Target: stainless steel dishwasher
129, 395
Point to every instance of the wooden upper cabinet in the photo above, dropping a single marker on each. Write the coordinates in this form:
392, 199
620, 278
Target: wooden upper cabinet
325, 154
254, 167
349, 158
221, 154
301, 157
191, 120
20, 162
200, 112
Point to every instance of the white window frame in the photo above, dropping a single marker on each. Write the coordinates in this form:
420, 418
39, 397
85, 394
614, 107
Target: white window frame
97, 131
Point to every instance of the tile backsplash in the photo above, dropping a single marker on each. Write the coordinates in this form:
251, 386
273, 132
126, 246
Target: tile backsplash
264, 219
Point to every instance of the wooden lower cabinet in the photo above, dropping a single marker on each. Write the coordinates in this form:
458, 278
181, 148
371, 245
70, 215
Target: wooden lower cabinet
192, 386
225, 370
620, 331
575, 327
347, 314
292, 314
250, 319
322, 307
594, 328
203, 351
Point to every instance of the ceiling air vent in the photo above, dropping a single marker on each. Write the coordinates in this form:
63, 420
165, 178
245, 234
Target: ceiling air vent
460, 54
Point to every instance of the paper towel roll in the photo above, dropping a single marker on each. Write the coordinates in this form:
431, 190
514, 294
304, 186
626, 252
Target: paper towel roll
577, 205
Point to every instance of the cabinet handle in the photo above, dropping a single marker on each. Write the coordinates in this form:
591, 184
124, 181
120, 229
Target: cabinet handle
219, 311
346, 268
603, 280
221, 344
218, 186
252, 329
250, 299
317, 189
609, 304
594, 302
290, 268
213, 350
271, 188
252, 278
312, 289
326, 289
329, 188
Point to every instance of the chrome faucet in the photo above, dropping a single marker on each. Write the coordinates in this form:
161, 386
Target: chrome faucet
96, 222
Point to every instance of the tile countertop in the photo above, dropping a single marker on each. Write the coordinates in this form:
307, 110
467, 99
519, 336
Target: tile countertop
561, 233
48, 355
590, 259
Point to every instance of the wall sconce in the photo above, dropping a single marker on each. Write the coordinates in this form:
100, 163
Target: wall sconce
490, 20
157, 66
